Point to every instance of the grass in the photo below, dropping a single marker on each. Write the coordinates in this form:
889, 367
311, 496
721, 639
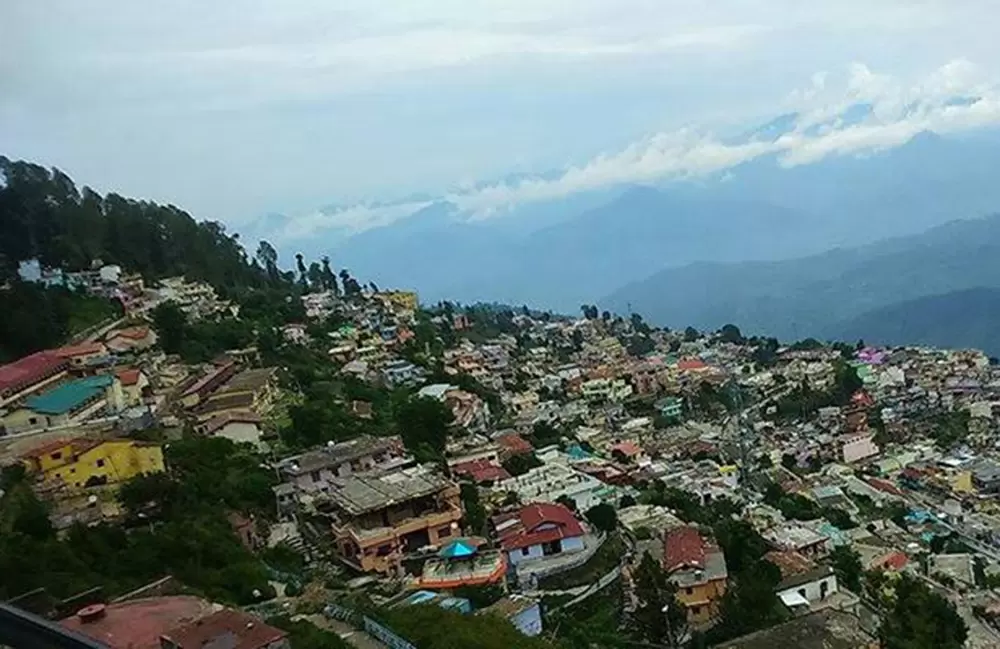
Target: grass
604, 560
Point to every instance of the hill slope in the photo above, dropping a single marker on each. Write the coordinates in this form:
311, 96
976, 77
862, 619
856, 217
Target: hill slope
803, 297
960, 319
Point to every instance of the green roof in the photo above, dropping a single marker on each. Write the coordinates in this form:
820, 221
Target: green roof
68, 396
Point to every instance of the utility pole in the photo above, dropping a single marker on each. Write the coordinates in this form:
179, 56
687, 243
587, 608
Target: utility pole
743, 434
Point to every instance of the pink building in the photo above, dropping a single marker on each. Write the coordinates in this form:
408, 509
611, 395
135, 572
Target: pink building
858, 447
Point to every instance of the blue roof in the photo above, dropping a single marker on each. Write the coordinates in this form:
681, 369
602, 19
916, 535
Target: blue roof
458, 549
68, 396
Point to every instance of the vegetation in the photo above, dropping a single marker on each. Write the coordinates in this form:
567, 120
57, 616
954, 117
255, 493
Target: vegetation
916, 617
303, 634
178, 526
431, 627
659, 616
847, 566
603, 517
601, 563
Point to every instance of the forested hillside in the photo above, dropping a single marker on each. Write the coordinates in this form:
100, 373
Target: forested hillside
44, 215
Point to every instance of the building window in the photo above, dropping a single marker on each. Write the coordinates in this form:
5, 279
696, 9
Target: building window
315, 476
525, 552
72, 470
444, 531
55, 456
100, 463
695, 610
689, 591
33, 421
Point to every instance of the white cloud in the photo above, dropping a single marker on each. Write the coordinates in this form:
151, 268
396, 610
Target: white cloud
897, 113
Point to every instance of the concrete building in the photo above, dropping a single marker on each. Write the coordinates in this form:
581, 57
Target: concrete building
550, 482
698, 567
537, 531
315, 471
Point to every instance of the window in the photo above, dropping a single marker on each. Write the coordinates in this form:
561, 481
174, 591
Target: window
55, 456
33, 421
525, 552
444, 531
315, 476
695, 610
100, 463
72, 470
802, 591
689, 591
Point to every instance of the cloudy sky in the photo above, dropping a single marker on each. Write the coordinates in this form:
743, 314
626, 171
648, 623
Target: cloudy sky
235, 109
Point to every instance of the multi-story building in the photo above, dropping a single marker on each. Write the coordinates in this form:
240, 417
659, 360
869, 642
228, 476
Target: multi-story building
315, 471
82, 463
698, 567
550, 482
66, 404
30, 374
378, 518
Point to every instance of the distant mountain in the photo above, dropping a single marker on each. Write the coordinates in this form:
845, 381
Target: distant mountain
960, 319
796, 298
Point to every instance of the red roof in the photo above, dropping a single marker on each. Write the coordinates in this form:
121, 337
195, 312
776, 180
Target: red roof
691, 364
514, 443
683, 547
46, 448
29, 370
138, 624
135, 333
481, 470
242, 631
535, 524
628, 449
128, 376
69, 351
884, 486
896, 561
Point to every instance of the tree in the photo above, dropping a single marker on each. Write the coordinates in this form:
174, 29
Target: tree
300, 266
423, 425
170, 324
329, 277
520, 464
602, 517
750, 602
848, 568
731, 334
605, 316
919, 618
659, 617
267, 256
691, 334
315, 275
475, 512
567, 502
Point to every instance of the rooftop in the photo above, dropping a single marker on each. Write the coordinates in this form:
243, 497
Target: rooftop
138, 624
358, 494
535, 524
227, 629
250, 379
29, 370
81, 349
827, 629
482, 470
68, 396
339, 453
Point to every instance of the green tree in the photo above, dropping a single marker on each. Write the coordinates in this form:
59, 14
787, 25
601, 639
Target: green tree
423, 425
602, 517
659, 617
731, 334
691, 334
521, 463
919, 618
170, 324
475, 512
847, 566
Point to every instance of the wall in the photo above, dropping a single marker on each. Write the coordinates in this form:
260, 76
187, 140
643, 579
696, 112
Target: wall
529, 621
702, 600
240, 432
859, 448
525, 554
813, 590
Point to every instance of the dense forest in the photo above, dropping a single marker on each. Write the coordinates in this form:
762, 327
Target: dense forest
44, 216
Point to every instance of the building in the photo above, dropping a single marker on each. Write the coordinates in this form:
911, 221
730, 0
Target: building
315, 471
800, 539
986, 477
400, 373
523, 612
671, 408
239, 427
29, 375
66, 404
858, 446
226, 629
137, 623
82, 354
698, 567
804, 583
537, 531
405, 300
378, 518
130, 339
550, 482
133, 381
250, 390
82, 462
200, 388
826, 629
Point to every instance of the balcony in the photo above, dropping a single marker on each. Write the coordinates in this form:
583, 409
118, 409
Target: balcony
375, 536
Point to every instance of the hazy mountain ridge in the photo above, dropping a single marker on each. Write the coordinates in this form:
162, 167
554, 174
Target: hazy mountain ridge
808, 296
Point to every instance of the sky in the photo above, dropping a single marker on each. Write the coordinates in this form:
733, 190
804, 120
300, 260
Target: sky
237, 109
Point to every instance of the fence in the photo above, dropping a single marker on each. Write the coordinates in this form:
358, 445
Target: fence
374, 629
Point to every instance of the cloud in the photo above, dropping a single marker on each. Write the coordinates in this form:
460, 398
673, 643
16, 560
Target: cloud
950, 99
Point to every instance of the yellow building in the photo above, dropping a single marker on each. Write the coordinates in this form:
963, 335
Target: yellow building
81, 463
403, 299
698, 567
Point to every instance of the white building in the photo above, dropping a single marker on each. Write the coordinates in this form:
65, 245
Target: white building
550, 482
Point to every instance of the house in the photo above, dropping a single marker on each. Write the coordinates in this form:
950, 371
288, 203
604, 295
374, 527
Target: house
133, 382
295, 333
253, 390
241, 427
30, 374
82, 354
538, 530
803, 581
130, 339
226, 629
698, 567
378, 518
400, 373
553, 481
314, 471
481, 470
406, 301
461, 562
513, 444
826, 629
200, 388
858, 446
82, 462
670, 408
66, 404
798, 538
986, 477
523, 612
137, 623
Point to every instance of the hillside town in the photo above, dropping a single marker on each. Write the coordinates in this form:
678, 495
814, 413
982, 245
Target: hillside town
397, 472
